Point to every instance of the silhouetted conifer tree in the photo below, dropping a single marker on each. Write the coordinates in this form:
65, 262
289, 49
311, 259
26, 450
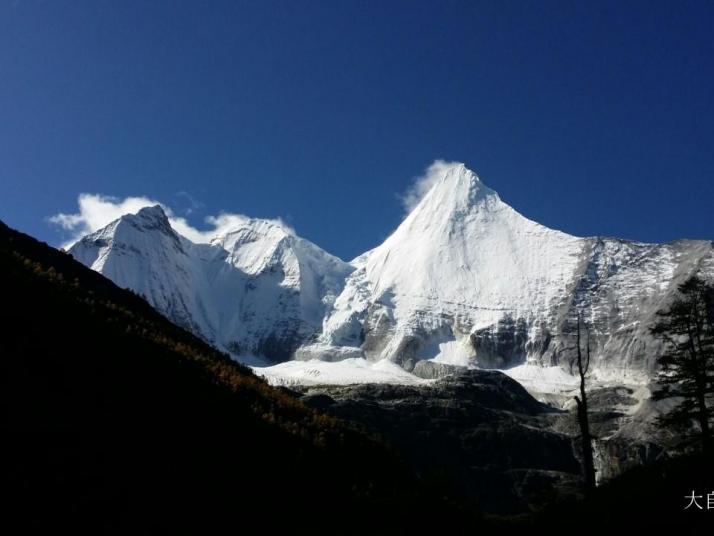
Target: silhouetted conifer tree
687, 364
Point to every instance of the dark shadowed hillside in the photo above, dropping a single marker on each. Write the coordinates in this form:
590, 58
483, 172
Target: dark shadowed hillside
117, 421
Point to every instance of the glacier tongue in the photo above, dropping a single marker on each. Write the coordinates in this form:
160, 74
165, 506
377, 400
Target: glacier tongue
346, 372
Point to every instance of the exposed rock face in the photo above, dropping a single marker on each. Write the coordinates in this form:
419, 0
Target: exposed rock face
431, 370
619, 290
501, 345
479, 429
622, 425
492, 440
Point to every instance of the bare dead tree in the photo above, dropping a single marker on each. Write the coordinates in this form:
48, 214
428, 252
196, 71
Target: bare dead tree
582, 401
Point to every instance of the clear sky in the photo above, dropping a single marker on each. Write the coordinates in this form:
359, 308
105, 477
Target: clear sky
589, 117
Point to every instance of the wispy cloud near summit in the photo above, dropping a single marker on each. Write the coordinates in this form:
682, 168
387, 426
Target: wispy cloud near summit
423, 183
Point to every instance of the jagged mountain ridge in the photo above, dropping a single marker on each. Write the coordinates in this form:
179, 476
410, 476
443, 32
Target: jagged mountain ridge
464, 280
255, 290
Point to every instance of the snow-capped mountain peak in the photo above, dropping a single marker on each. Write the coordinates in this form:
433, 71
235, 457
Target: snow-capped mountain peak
253, 244
147, 219
457, 190
461, 260
463, 280
138, 232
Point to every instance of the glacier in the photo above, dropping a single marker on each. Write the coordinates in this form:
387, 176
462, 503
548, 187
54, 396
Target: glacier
464, 281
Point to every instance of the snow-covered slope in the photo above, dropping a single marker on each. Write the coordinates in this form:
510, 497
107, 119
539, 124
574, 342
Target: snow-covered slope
464, 280
256, 290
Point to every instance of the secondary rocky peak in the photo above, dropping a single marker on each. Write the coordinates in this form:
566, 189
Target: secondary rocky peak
147, 219
153, 214
242, 230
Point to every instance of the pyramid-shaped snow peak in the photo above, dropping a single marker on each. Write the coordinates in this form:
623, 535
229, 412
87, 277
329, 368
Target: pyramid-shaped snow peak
460, 261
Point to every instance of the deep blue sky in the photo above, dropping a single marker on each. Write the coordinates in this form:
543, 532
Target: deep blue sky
589, 117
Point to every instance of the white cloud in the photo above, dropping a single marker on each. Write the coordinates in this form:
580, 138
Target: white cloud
97, 211
422, 184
